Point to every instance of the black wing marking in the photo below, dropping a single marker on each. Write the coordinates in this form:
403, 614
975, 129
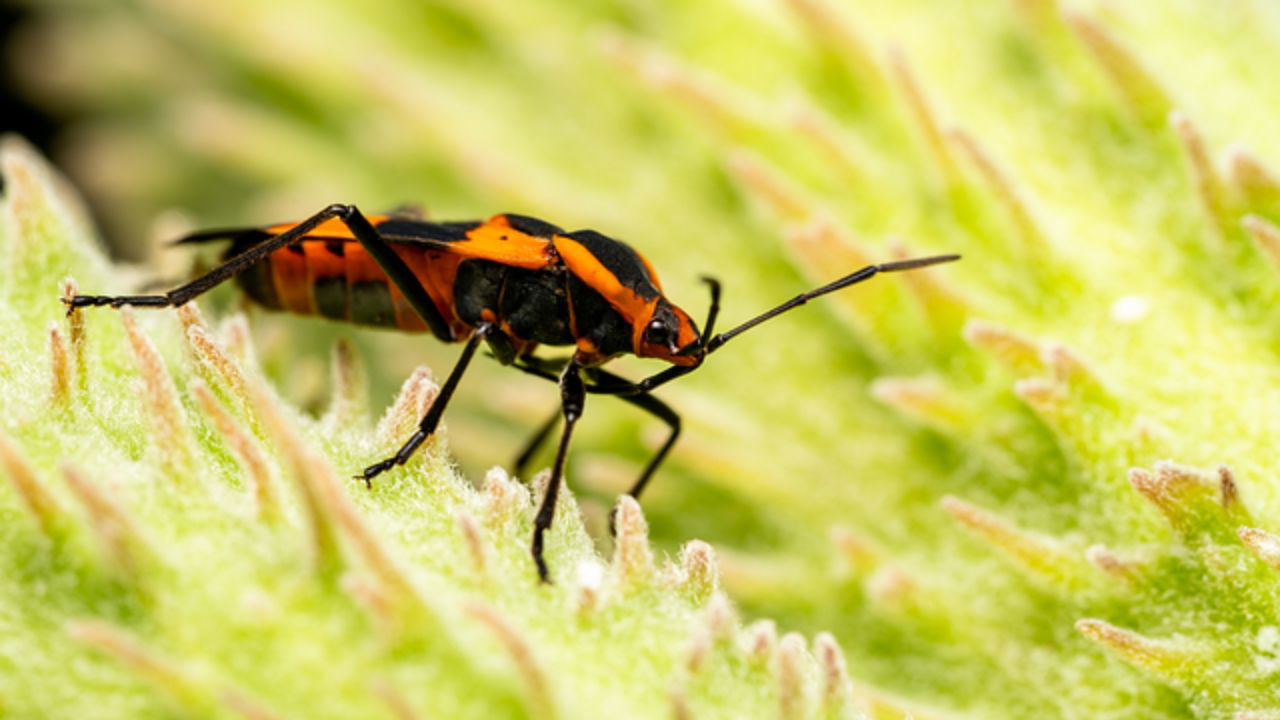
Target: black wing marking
430, 233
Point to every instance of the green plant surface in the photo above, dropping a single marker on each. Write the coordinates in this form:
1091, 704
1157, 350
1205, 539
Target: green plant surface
179, 542
1034, 483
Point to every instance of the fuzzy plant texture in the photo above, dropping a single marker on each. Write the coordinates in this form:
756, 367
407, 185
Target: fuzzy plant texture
1035, 483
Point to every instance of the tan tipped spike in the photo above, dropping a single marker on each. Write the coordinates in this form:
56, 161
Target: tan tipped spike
1229, 497
1187, 499
540, 701
416, 395
1112, 564
712, 99
718, 628
350, 398
718, 102
1006, 191
160, 398
699, 575
504, 499
36, 196
858, 557
823, 244
632, 556
1263, 544
825, 249
720, 617
60, 367
473, 538
836, 687
1161, 658
1208, 184
1040, 556
324, 543
252, 459
760, 642
238, 339
1252, 179
769, 185
114, 528
923, 399
372, 550
77, 338
42, 505
1265, 235
220, 368
1073, 371
396, 702
833, 29
1144, 96
921, 112
1016, 352
894, 589
191, 317
162, 672
1044, 396
27, 201
377, 602
842, 153
791, 673
698, 652
240, 703
680, 709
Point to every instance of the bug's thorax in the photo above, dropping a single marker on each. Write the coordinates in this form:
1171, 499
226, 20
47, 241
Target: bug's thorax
617, 301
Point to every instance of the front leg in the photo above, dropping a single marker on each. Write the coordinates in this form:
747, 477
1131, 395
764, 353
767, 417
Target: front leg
573, 397
431, 420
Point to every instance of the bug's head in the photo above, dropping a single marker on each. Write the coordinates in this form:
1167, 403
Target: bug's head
669, 334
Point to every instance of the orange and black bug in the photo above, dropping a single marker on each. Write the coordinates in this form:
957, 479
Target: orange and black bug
512, 281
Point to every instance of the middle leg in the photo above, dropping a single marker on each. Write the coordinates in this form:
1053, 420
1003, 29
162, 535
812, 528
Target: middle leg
572, 399
606, 383
431, 420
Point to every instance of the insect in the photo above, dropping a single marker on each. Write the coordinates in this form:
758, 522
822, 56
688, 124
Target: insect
514, 282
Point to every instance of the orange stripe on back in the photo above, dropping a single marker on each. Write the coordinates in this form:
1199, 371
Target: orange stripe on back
496, 240
582, 263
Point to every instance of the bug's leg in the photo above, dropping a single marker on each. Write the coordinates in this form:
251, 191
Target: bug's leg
185, 293
535, 443
607, 383
572, 399
603, 382
547, 369
378, 248
431, 420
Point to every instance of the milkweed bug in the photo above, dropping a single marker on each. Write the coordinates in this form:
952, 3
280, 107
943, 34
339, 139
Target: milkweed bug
512, 281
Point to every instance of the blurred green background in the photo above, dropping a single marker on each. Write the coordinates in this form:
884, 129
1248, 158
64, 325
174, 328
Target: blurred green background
775, 144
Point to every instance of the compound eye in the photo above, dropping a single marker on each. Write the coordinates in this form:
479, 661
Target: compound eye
658, 333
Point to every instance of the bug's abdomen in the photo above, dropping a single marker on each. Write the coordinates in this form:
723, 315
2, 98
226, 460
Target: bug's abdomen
337, 279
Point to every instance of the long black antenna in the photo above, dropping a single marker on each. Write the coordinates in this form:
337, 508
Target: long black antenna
715, 342
853, 278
